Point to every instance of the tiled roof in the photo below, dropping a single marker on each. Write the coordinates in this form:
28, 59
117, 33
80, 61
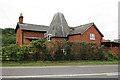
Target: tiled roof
82, 28
32, 27
59, 26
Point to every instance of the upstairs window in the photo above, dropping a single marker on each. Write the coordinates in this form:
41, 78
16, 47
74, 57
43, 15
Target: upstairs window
49, 37
92, 36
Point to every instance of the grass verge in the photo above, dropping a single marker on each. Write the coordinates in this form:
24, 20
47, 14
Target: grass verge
55, 63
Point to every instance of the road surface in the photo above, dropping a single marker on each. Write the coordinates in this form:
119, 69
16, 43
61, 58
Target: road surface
82, 71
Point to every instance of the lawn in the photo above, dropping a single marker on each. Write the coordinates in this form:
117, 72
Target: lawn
56, 63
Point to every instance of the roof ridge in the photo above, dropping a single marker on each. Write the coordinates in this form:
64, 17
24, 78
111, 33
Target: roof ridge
82, 25
87, 23
34, 24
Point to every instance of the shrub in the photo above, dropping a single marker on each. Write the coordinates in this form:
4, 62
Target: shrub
9, 52
100, 53
24, 53
68, 55
84, 51
15, 53
59, 55
39, 49
39, 44
112, 56
61, 51
59, 47
58, 51
36, 56
46, 57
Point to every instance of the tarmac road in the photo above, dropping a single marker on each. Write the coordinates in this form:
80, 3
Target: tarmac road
83, 71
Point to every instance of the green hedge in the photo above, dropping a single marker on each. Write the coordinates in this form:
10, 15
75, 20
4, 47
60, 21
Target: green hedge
59, 50
15, 53
80, 51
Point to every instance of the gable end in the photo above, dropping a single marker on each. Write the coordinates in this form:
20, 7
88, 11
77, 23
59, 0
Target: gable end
17, 26
98, 30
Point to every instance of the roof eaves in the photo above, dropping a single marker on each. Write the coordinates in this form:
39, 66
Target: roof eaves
74, 34
32, 37
95, 28
111, 42
17, 26
87, 27
57, 37
21, 27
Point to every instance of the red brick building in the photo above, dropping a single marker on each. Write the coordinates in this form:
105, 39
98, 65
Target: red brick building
27, 32
58, 30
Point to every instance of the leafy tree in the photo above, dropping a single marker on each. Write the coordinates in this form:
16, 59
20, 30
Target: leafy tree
8, 31
8, 36
108, 40
8, 39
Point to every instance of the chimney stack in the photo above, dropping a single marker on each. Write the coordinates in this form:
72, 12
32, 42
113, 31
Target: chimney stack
21, 19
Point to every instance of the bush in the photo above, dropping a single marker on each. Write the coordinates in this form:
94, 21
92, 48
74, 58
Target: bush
59, 55
59, 47
15, 53
36, 56
46, 57
10, 52
58, 51
112, 56
100, 53
62, 51
84, 51
40, 52
39, 44
24, 53
68, 55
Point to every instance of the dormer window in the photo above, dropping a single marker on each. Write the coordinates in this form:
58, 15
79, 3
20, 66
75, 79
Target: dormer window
92, 36
49, 37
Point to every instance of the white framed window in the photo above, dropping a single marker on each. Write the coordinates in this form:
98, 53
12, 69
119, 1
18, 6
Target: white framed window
64, 52
92, 36
49, 37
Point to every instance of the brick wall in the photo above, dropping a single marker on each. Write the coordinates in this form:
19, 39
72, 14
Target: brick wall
86, 36
19, 37
74, 38
113, 49
54, 40
31, 34
58, 39
48, 45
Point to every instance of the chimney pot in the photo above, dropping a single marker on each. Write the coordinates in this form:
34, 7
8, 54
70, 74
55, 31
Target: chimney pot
21, 19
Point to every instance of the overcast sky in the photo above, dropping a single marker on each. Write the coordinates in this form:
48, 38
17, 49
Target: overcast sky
104, 13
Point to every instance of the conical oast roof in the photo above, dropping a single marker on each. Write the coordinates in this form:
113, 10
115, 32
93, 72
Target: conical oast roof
59, 26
